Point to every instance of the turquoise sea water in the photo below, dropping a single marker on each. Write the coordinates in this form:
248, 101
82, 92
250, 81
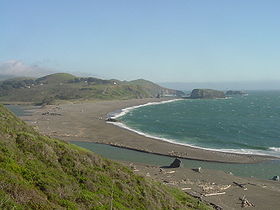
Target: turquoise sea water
243, 124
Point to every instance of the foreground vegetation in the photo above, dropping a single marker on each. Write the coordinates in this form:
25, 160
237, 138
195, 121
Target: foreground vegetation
38, 172
62, 86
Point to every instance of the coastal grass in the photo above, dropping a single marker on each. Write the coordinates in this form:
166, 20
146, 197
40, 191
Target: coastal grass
38, 172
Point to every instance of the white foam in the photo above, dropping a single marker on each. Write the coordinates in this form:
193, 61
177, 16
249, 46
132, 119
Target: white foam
275, 153
128, 109
276, 149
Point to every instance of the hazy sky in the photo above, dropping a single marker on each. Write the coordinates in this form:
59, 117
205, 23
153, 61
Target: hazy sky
159, 40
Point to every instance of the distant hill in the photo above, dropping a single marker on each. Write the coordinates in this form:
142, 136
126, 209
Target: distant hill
63, 86
155, 89
38, 172
56, 78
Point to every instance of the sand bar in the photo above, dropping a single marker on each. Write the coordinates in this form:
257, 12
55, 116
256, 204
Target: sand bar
86, 122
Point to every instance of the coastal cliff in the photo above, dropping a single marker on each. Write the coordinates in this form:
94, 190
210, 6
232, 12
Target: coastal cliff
206, 93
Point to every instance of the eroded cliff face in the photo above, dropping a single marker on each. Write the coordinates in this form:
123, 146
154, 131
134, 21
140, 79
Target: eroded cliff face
207, 93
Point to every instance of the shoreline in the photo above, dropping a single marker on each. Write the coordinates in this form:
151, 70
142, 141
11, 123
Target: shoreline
119, 113
86, 122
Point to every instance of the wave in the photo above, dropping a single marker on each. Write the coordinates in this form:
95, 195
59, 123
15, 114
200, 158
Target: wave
276, 149
124, 111
272, 151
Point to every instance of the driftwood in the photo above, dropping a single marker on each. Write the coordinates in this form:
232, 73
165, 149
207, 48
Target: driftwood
211, 194
245, 202
239, 185
186, 188
225, 187
199, 197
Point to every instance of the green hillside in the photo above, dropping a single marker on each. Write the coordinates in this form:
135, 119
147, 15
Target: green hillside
38, 172
56, 78
62, 86
155, 89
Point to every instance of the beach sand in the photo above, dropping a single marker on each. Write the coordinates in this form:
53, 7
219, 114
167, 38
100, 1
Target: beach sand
216, 187
86, 122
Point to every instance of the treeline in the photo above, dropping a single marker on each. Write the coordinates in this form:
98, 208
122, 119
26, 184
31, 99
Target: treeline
91, 80
10, 84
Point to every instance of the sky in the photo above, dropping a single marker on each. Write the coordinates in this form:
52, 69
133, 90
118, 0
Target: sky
158, 40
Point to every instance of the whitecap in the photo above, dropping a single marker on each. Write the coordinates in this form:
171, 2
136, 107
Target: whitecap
124, 111
276, 149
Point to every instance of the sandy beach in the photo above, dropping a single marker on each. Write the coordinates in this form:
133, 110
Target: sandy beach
86, 122
222, 190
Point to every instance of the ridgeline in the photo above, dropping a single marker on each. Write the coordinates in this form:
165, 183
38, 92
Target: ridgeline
38, 172
63, 86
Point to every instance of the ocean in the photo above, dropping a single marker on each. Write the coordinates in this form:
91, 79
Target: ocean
247, 124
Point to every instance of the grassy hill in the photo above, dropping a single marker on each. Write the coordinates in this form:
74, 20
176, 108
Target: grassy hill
56, 78
62, 86
38, 172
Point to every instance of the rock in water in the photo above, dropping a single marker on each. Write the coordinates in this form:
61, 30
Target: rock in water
176, 163
276, 178
207, 93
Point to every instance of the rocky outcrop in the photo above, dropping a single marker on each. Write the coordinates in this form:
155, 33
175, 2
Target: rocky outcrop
234, 92
206, 93
176, 163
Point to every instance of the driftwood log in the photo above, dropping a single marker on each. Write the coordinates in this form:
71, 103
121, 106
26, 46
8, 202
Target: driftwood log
239, 185
245, 202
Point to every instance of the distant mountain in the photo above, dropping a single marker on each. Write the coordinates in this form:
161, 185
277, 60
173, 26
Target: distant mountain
38, 172
63, 86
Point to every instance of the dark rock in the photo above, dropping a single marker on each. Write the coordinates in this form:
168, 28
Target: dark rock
206, 93
197, 169
111, 119
176, 163
276, 178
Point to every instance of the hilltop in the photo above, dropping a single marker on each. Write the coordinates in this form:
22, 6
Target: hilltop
63, 86
38, 172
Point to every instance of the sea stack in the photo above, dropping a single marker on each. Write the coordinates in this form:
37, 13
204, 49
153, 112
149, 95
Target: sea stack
207, 94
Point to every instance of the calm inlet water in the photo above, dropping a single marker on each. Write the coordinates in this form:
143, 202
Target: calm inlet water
243, 124
265, 170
